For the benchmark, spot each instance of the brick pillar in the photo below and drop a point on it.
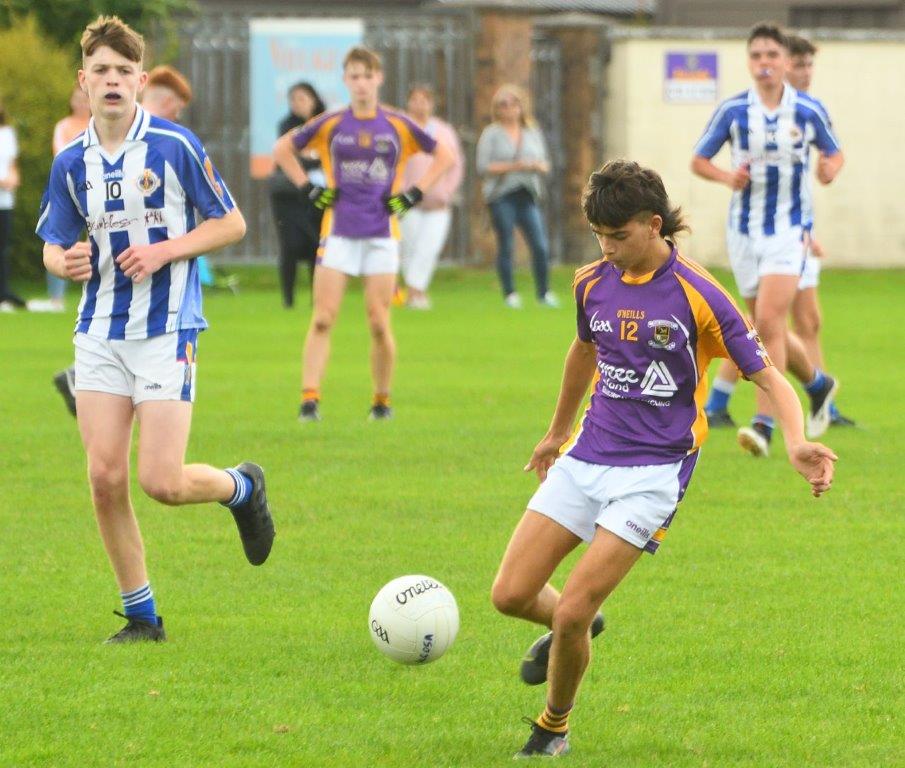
(581, 113)
(503, 55)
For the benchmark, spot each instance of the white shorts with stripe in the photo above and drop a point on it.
(158, 368)
(635, 503)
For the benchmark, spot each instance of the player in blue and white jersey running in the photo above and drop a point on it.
(151, 201)
(806, 319)
(770, 128)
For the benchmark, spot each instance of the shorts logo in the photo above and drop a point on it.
(148, 183)
(662, 334)
(658, 381)
(637, 528)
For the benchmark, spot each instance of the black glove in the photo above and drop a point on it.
(403, 202)
(321, 197)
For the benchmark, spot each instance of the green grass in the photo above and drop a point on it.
(768, 630)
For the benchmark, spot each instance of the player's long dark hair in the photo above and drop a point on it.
(621, 190)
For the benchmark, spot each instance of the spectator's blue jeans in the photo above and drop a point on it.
(519, 207)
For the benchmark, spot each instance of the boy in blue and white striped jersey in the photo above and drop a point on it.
(151, 201)
(771, 128)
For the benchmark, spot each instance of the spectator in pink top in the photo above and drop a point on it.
(426, 226)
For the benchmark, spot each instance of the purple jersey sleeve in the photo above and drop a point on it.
(722, 330)
(304, 135)
(584, 279)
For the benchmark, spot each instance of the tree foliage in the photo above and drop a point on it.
(64, 20)
(36, 79)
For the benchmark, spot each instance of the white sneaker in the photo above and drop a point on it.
(7, 306)
(549, 299)
(514, 301)
(45, 305)
(753, 442)
(421, 301)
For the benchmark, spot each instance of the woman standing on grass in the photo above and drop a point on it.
(512, 158)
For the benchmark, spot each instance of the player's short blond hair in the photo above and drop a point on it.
(165, 76)
(361, 55)
(113, 32)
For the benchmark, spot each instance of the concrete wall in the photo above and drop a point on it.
(860, 218)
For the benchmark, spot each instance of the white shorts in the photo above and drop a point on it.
(360, 255)
(423, 237)
(159, 368)
(810, 277)
(753, 257)
(635, 503)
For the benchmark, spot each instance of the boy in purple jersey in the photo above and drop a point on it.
(363, 150)
(140, 186)
(649, 322)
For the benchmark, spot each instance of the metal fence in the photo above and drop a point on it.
(434, 48)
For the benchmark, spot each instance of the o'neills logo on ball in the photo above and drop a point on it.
(418, 588)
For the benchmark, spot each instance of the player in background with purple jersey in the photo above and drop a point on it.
(649, 322)
(363, 150)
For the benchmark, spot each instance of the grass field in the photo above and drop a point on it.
(768, 631)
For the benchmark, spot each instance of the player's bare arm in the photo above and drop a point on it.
(69, 263)
(12, 179)
(141, 261)
(813, 461)
(736, 180)
(581, 362)
(828, 166)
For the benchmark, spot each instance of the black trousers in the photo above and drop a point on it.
(6, 233)
(298, 225)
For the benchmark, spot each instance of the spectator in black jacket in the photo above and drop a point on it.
(298, 221)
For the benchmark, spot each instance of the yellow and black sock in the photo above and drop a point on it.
(382, 398)
(311, 393)
(554, 720)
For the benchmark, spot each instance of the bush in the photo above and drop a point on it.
(36, 78)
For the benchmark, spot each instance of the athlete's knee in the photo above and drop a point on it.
(379, 325)
(322, 322)
(509, 599)
(108, 479)
(167, 488)
(573, 617)
(807, 324)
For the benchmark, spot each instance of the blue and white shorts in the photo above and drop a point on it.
(635, 503)
(158, 368)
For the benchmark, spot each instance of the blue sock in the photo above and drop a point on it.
(720, 393)
(139, 604)
(243, 488)
(817, 383)
(766, 422)
(834, 411)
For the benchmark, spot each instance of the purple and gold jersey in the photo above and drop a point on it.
(364, 158)
(655, 336)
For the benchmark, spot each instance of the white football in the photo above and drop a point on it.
(413, 619)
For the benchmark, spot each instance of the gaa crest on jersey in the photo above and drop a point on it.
(148, 183)
(662, 334)
(364, 139)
